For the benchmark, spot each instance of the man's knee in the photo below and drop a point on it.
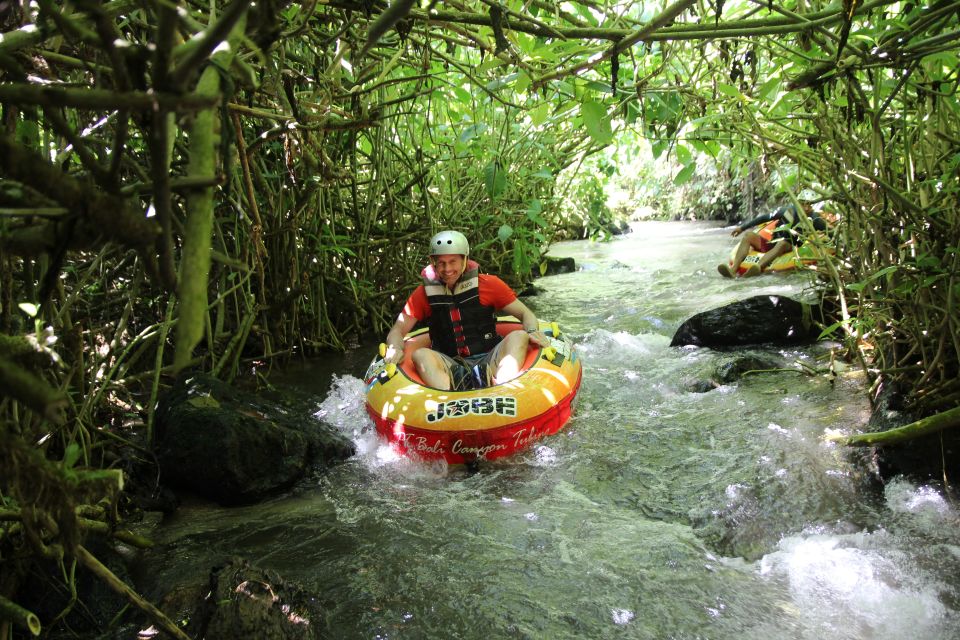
(429, 363)
(516, 340)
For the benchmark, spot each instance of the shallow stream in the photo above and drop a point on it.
(658, 512)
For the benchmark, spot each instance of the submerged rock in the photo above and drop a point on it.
(768, 319)
(732, 371)
(735, 369)
(243, 601)
(233, 447)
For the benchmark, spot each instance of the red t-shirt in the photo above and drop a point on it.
(494, 292)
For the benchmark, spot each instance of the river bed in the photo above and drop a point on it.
(658, 512)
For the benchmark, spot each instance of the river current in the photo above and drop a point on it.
(658, 512)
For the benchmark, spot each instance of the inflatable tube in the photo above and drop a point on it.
(808, 254)
(482, 424)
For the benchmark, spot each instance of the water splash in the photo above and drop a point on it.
(861, 585)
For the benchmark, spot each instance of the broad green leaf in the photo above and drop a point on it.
(685, 174)
(539, 114)
(495, 178)
(463, 95)
(544, 173)
(598, 87)
(488, 65)
(768, 87)
(728, 90)
(503, 81)
(534, 208)
(926, 261)
(596, 122)
(28, 133)
(504, 232)
(943, 62)
(585, 13)
(683, 154)
(472, 132)
(522, 83)
(537, 219)
(519, 256)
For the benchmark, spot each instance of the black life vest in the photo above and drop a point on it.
(788, 224)
(459, 324)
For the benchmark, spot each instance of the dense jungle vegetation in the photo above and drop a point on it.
(221, 185)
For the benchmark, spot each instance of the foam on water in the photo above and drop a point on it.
(861, 585)
(926, 506)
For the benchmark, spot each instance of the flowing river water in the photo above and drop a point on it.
(658, 512)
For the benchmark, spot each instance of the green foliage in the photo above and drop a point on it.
(596, 122)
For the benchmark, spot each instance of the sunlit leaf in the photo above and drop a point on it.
(728, 90)
(522, 83)
(504, 232)
(685, 174)
(29, 308)
(539, 114)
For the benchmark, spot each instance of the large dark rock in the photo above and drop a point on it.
(766, 319)
(928, 458)
(554, 266)
(235, 448)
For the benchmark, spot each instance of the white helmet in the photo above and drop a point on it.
(449, 242)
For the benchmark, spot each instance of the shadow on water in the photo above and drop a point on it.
(657, 513)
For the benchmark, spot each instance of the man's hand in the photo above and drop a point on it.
(736, 231)
(539, 337)
(393, 354)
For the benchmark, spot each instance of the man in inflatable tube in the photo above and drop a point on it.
(788, 234)
(460, 306)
